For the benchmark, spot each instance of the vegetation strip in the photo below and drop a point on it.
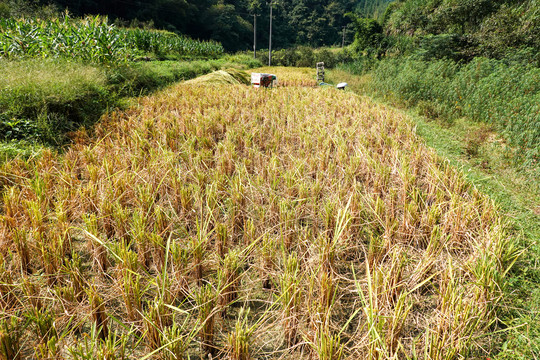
(44, 101)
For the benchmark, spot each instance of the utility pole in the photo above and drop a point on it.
(254, 35)
(270, 39)
(343, 42)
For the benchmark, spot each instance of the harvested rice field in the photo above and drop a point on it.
(223, 221)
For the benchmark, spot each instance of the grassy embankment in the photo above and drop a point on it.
(488, 162)
(298, 222)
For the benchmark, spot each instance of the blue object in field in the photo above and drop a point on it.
(325, 84)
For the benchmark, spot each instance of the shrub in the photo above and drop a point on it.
(344, 56)
(369, 34)
(246, 60)
(306, 57)
(327, 57)
(4, 10)
(286, 57)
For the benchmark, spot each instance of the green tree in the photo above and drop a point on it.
(228, 27)
(4, 10)
(369, 36)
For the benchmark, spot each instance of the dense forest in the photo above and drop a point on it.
(297, 22)
(455, 29)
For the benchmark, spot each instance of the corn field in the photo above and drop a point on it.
(94, 40)
(292, 223)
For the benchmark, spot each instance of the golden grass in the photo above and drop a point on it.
(318, 213)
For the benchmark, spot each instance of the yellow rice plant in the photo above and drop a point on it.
(319, 211)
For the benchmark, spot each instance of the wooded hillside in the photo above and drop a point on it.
(469, 28)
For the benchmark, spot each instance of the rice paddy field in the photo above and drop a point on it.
(219, 220)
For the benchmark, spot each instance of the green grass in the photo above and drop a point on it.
(21, 148)
(518, 195)
(136, 77)
(481, 155)
(40, 100)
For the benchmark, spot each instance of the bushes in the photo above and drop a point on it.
(506, 96)
(304, 56)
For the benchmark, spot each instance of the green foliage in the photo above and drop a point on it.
(4, 10)
(303, 56)
(369, 35)
(469, 28)
(285, 57)
(228, 27)
(246, 60)
(443, 46)
(93, 40)
(163, 43)
(296, 22)
(22, 148)
(307, 57)
(513, 26)
(372, 8)
(504, 96)
(27, 8)
(360, 66)
(41, 99)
